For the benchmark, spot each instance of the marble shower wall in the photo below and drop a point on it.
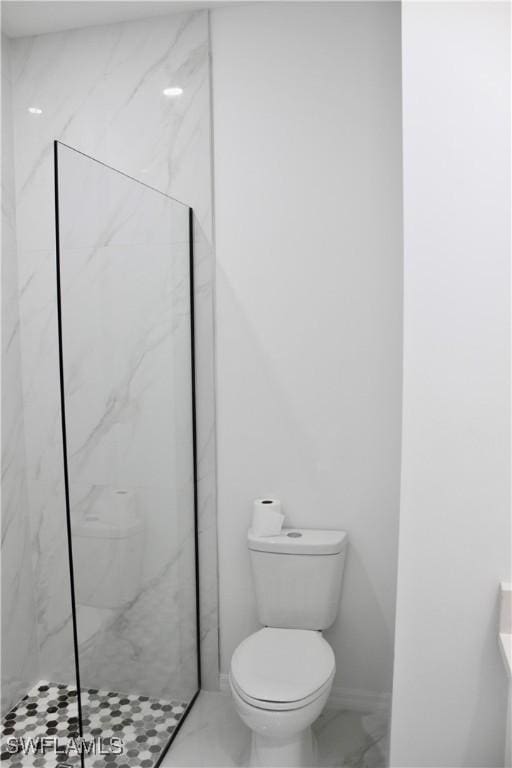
(100, 91)
(19, 641)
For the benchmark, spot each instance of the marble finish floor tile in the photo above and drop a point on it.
(348, 739)
(213, 736)
(143, 724)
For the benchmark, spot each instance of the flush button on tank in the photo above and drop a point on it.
(294, 535)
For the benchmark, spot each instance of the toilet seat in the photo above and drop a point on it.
(277, 706)
(282, 668)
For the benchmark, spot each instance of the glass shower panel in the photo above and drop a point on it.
(124, 265)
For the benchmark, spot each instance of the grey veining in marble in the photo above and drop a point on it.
(100, 90)
(19, 641)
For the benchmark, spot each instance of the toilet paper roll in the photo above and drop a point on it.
(120, 504)
(267, 518)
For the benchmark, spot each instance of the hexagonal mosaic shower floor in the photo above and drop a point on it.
(50, 710)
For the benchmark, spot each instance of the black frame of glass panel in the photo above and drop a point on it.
(56, 144)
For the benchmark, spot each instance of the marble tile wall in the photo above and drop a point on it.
(19, 641)
(100, 91)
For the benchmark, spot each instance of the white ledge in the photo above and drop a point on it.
(506, 651)
(505, 625)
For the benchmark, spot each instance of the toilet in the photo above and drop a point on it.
(281, 676)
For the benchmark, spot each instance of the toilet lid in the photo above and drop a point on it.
(282, 665)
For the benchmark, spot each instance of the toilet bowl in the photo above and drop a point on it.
(280, 680)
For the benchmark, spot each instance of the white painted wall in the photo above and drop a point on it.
(449, 693)
(307, 142)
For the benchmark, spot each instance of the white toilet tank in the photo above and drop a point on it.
(297, 577)
(107, 552)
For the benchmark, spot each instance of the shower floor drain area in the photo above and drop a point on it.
(120, 730)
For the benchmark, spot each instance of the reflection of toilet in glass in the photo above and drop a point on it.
(281, 676)
(107, 551)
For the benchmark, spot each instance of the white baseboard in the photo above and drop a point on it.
(359, 700)
(354, 699)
